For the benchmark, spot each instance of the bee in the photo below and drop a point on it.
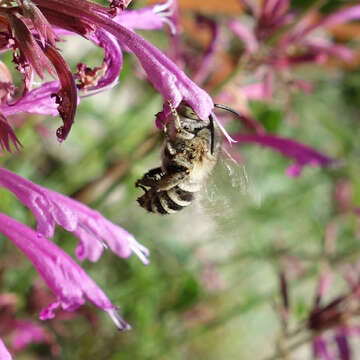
(190, 152)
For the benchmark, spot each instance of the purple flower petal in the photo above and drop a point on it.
(255, 91)
(30, 49)
(320, 349)
(341, 16)
(37, 101)
(246, 35)
(262, 90)
(68, 281)
(307, 25)
(112, 60)
(273, 8)
(147, 18)
(39, 22)
(166, 77)
(92, 229)
(4, 353)
(66, 97)
(342, 343)
(7, 135)
(26, 333)
(302, 154)
(321, 46)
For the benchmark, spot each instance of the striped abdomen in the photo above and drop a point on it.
(166, 202)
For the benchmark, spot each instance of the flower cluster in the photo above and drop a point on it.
(275, 38)
(31, 30)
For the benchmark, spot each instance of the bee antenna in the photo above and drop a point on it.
(227, 108)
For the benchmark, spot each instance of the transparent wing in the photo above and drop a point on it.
(227, 183)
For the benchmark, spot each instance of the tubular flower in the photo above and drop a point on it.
(94, 231)
(68, 281)
(336, 318)
(28, 332)
(302, 154)
(279, 38)
(34, 27)
(294, 43)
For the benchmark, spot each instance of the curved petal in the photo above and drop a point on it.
(37, 101)
(68, 281)
(93, 230)
(7, 136)
(66, 97)
(166, 77)
(26, 333)
(112, 61)
(302, 154)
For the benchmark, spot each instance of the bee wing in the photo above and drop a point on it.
(227, 183)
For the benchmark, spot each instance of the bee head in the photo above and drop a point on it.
(186, 111)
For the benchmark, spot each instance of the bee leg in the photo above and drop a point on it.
(150, 179)
(181, 132)
(180, 161)
(168, 181)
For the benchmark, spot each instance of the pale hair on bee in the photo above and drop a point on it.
(190, 152)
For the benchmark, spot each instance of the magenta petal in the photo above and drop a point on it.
(4, 353)
(143, 19)
(255, 91)
(66, 97)
(262, 90)
(7, 136)
(39, 22)
(320, 349)
(94, 231)
(343, 345)
(26, 333)
(341, 16)
(30, 49)
(112, 60)
(166, 77)
(302, 154)
(37, 101)
(321, 46)
(68, 281)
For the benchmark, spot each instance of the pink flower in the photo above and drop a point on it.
(279, 38)
(148, 18)
(302, 154)
(94, 231)
(36, 26)
(27, 332)
(68, 281)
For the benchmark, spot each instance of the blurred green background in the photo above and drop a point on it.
(212, 288)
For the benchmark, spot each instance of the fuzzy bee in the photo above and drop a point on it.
(190, 152)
